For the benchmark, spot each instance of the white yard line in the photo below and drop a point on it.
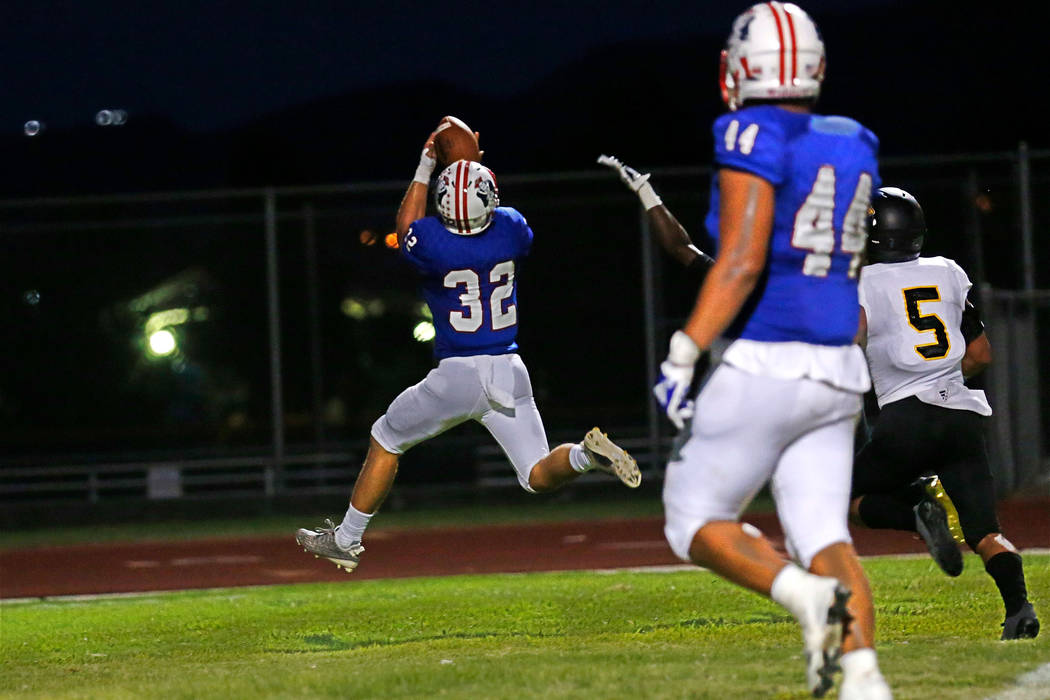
(1034, 685)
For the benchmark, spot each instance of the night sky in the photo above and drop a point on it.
(206, 65)
(254, 94)
(247, 94)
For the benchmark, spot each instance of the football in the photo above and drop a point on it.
(455, 141)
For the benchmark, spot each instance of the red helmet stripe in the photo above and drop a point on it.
(455, 198)
(465, 184)
(780, 35)
(794, 48)
(455, 195)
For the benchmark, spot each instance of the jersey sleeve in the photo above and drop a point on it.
(962, 280)
(523, 233)
(412, 248)
(526, 237)
(745, 142)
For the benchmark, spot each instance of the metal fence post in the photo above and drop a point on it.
(649, 308)
(974, 233)
(1024, 189)
(313, 310)
(274, 315)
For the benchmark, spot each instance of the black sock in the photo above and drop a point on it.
(883, 511)
(1005, 569)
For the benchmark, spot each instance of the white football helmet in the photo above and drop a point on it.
(466, 196)
(774, 53)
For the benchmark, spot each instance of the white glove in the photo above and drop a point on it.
(638, 182)
(426, 163)
(676, 377)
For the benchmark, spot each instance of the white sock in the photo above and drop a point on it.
(578, 458)
(352, 528)
(858, 662)
(786, 586)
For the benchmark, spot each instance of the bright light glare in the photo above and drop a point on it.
(162, 343)
(423, 332)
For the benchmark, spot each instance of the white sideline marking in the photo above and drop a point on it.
(657, 569)
(664, 569)
(195, 561)
(1034, 685)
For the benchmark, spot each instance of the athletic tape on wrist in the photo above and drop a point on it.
(423, 171)
(425, 168)
(649, 198)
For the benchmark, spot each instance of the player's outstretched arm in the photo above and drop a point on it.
(414, 203)
(669, 232)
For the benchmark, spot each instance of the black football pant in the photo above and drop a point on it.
(912, 439)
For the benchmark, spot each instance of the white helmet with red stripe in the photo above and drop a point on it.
(466, 196)
(774, 53)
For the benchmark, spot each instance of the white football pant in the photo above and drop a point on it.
(493, 390)
(749, 429)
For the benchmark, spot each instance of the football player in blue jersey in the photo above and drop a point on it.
(467, 257)
(778, 313)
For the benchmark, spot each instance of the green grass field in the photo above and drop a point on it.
(568, 635)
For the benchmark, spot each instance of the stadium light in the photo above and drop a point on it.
(162, 343)
(424, 331)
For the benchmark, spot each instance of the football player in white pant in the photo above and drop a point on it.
(923, 337)
(778, 311)
(467, 257)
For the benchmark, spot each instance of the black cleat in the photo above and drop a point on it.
(1021, 625)
(932, 524)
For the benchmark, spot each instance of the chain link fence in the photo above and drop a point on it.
(218, 343)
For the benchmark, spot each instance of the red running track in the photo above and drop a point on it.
(151, 566)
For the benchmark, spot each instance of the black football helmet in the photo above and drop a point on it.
(896, 226)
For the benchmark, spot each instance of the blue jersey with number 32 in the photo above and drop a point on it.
(823, 169)
(469, 282)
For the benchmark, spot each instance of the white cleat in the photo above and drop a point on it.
(321, 543)
(822, 618)
(610, 458)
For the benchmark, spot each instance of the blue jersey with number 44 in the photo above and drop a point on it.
(469, 282)
(824, 170)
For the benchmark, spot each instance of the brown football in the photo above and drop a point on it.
(455, 141)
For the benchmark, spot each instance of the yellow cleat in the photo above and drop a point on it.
(935, 490)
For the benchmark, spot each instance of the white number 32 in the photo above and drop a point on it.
(469, 320)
